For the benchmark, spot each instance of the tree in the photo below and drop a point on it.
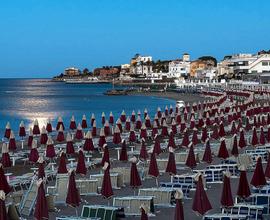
(208, 58)
(85, 71)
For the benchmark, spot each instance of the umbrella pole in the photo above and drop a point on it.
(108, 202)
(157, 182)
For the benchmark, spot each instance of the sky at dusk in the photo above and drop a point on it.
(40, 38)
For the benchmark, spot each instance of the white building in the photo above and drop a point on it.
(260, 65)
(178, 68)
(142, 65)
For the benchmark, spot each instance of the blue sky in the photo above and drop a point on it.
(39, 38)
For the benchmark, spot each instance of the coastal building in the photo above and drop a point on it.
(179, 67)
(107, 72)
(202, 66)
(141, 65)
(72, 71)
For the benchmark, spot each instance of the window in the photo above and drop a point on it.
(264, 63)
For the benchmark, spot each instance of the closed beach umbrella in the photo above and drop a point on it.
(201, 203)
(143, 151)
(93, 118)
(159, 114)
(133, 117)
(84, 122)
(135, 179)
(145, 113)
(195, 140)
(226, 196)
(233, 128)
(107, 129)
(138, 123)
(60, 135)
(44, 136)
(243, 185)
(49, 126)
(234, 151)
(123, 153)
(36, 130)
(179, 211)
(41, 209)
(106, 189)
(79, 133)
(239, 124)
(174, 127)
(73, 195)
(144, 210)
(111, 119)
(262, 137)
(30, 138)
(171, 165)
(267, 169)
(94, 129)
(6, 162)
(12, 142)
(59, 123)
(116, 136)
(207, 156)
(153, 167)
(123, 117)
(50, 151)
(248, 125)
(127, 124)
(242, 140)
(221, 131)
(200, 121)
(154, 129)
(254, 139)
(41, 171)
(88, 143)
(157, 148)
(7, 131)
(204, 135)
(119, 125)
(164, 129)
(62, 168)
(132, 135)
(171, 142)
(72, 124)
(106, 155)
(4, 186)
(258, 178)
(148, 121)
(223, 152)
(81, 168)
(192, 123)
(102, 138)
(143, 133)
(156, 120)
(3, 210)
(183, 126)
(185, 140)
(33, 155)
(103, 118)
(69, 145)
(191, 159)
(22, 132)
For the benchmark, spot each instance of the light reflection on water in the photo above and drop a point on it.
(40, 99)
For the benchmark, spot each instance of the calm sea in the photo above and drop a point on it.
(30, 99)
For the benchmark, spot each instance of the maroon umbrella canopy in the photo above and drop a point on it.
(267, 169)
(144, 215)
(44, 136)
(243, 185)
(179, 211)
(6, 162)
(223, 152)
(226, 196)
(127, 124)
(36, 130)
(102, 138)
(41, 208)
(221, 131)
(103, 118)
(132, 135)
(12, 142)
(22, 132)
(191, 159)
(106, 155)
(248, 125)
(143, 151)
(153, 167)
(123, 116)
(3, 211)
(60, 136)
(111, 119)
(242, 140)
(107, 129)
(88, 143)
(215, 134)
(72, 124)
(234, 151)
(62, 168)
(73, 195)
(233, 128)
(106, 189)
(41, 171)
(201, 203)
(123, 153)
(81, 168)
(207, 156)
(171, 142)
(116, 135)
(185, 140)
(59, 123)
(254, 139)
(157, 148)
(33, 155)
(135, 179)
(3, 181)
(258, 178)
(49, 126)
(171, 165)
(50, 151)
(30, 138)
(84, 122)
(79, 132)
(7, 131)
(94, 129)
(69, 145)
(195, 140)
(143, 133)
